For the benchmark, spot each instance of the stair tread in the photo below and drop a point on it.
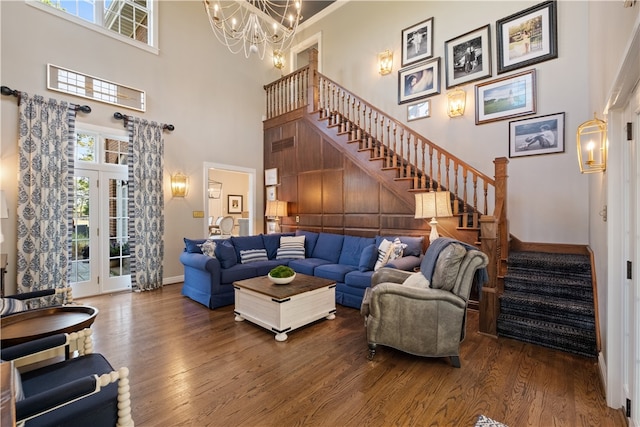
(544, 301)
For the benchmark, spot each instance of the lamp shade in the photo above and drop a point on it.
(433, 204)
(276, 208)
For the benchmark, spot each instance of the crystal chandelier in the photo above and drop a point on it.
(254, 25)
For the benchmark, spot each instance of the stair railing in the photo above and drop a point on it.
(428, 166)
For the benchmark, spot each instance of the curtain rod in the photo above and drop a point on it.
(11, 92)
(120, 116)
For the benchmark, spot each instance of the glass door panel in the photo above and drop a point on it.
(84, 268)
(118, 255)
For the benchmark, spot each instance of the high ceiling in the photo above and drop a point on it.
(312, 7)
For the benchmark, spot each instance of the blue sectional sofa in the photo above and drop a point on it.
(349, 260)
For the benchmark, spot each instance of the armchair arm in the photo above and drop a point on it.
(25, 349)
(422, 294)
(387, 274)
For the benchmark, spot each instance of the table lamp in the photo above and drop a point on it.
(433, 204)
(276, 209)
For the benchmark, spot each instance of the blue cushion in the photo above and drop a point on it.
(352, 248)
(244, 243)
(333, 271)
(253, 255)
(271, 243)
(238, 272)
(310, 239)
(368, 258)
(307, 265)
(328, 247)
(359, 279)
(226, 254)
(193, 246)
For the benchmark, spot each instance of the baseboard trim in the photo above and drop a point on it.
(171, 280)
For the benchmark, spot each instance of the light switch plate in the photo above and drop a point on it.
(198, 214)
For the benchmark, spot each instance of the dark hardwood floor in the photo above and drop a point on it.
(191, 366)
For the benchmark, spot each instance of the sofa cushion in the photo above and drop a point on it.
(264, 267)
(352, 247)
(209, 248)
(358, 279)
(253, 255)
(310, 239)
(226, 254)
(238, 272)
(193, 245)
(447, 267)
(244, 243)
(307, 265)
(271, 243)
(328, 247)
(334, 271)
(368, 258)
(291, 248)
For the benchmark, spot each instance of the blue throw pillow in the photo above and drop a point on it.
(368, 258)
(414, 245)
(271, 244)
(310, 239)
(193, 246)
(226, 254)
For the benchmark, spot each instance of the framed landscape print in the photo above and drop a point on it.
(538, 135)
(417, 42)
(527, 37)
(234, 204)
(468, 57)
(419, 110)
(419, 81)
(506, 97)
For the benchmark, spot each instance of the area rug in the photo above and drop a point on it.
(484, 421)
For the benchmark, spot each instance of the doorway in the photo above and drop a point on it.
(299, 54)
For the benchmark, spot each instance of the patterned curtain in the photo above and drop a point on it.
(146, 203)
(45, 192)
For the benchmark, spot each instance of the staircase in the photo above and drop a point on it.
(548, 300)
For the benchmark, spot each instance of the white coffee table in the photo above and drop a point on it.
(283, 308)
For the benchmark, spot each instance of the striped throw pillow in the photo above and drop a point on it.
(253, 255)
(11, 305)
(291, 247)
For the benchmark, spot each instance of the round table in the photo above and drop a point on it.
(42, 322)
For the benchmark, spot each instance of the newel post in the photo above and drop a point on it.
(494, 240)
(313, 90)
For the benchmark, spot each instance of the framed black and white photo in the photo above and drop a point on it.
(506, 97)
(468, 57)
(271, 192)
(271, 176)
(234, 204)
(417, 42)
(419, 81)
(538, 135)
(419, 110)
(527, 37)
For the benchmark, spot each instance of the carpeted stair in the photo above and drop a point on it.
(548, 300)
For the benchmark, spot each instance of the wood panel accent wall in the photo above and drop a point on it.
(327, 191)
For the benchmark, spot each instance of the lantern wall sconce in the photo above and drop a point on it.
(457, 100)
(278, 59)
(179, 185)
(385, 62)
(592, 146)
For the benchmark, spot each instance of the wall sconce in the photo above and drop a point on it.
(178, 185)
(592, 146)
(385, 62)
(278, 59)
(457, 100)
(276, 209)
(433, 204)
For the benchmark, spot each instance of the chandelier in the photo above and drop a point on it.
(254, 25)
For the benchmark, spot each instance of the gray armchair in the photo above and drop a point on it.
(424, 313)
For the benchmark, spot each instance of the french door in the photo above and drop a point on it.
(100, 257)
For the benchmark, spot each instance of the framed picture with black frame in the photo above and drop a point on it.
(506, 97)
(234, 204)
(527, 37)
(468, 57)
(537, 135)
(419, 81)
(417, 42)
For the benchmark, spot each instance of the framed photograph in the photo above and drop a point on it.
(419, 81)
(271, 227)
(234, 204)
(419, 110)
(527, 37)
(538, 135)
(417, 42)
(506, 97)
(468, 57)
(271, 192)
(271, 176)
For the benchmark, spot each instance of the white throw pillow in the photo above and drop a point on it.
(417, 280)
(209, 248)
(291, 247)
(384, 251)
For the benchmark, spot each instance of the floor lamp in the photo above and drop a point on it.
(433, 204)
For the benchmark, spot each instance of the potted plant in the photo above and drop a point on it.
(281, 275)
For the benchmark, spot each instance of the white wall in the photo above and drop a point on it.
(213, 98)
(547, 195)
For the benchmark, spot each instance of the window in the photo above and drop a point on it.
(130, 19)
